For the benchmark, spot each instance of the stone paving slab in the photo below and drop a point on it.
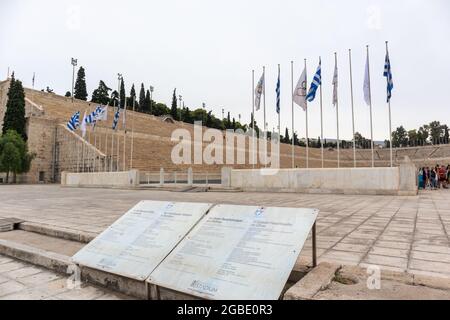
(22, 281)
(397, 233)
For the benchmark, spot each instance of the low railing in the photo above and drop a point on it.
(188, 177)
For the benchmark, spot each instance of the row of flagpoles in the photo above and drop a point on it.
(301, 96)
(101, 114)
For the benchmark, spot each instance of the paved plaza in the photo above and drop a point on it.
(396, 233)
(23, 281)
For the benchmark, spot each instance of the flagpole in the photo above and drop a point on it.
(321, 120)
(132, 135)
(292, 106)
(337, 118)
(390, 118)
(95, 146)
(265, 124)
(370, 98)
(306, 113)
(353, 112)
(253, 118)
(124, 141)
(279, 111)
(112, 138)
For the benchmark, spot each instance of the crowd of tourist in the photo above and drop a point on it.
(434, 178)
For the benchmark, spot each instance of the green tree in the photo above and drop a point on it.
(114, 100)
(14, 155)
(287, 139)
(423, 134)
(142, 99)
(147, 103)
(446, 133)
(435, 131)
(101, 94)
(399, 137)
(412, 138)
(174, 109)
(80, 85)
(122, 94)
(160, 109)
(68, 94)
(359, 140)
(132, 98)
(14, 118)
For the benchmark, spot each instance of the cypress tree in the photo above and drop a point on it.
(122, 94)
(142, 98)
(132, 98)
(101, 94)
(286, 136)
(80, 86)
(15, 109)
(147, 103)
(173, 109)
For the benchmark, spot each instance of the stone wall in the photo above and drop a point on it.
(101, 179)
(383, 181)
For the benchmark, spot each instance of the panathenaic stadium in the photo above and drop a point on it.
(57, 149)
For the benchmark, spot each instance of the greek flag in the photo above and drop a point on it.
(101, 113)
(317, 81)
(278, 90)
(116, 119)
(92, 117)
(388, 74)
(74, 121)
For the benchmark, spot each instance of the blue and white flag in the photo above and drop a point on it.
(74, 121)
(278, 90)
(116, 119)
(91, 118)
(317, 81)
(101, 113)
(388, 74)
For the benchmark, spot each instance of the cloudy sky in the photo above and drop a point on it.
(207, 50)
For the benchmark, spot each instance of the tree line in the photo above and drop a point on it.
(433, 133)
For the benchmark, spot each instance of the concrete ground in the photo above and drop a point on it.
(22, 281)
(396, 233)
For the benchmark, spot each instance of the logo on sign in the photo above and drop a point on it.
(259, 212)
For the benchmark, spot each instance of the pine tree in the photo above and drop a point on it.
(132, 98)
(234, 124)
(228, 125)
(122, 94)
(142, 98)
(80, 86)
(173, 109)
(114, 100)
(101, 94)
(147, 103)
(286, 136)
(14, 118)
